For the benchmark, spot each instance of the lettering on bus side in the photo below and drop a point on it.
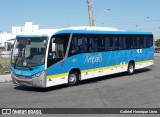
(92, 59)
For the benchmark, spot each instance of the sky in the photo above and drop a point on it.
(131, 15)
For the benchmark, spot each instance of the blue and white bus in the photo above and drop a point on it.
(66, 56)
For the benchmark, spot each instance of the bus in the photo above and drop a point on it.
(66, 56)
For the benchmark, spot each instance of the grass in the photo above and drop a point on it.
(4, 66)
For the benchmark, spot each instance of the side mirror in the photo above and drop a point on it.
(53, 47)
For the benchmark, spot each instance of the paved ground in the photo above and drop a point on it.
(5, 78)
(141, 90)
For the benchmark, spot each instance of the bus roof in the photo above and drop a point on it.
(98, 30)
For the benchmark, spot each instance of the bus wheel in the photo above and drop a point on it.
(130, 68)
(73, 79)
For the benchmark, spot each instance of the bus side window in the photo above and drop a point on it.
(149, 42)
(94, 44)
(115, 43)
(101, 42)
(128, 44)
(133, 45)
(124, 46)
(141, 43)
(121, 43)
(73, 47)
(132, 42)
(84, 45)
(111, 43)
(138, 42)
(79, 45)
(90, 46)
(144, 44)
(107, 43)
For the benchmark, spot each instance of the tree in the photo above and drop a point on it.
(157, 42)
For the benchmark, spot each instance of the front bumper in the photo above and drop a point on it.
(39, 81)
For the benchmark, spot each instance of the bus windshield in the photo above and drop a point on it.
(29, 52)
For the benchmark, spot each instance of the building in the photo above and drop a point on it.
(4, 37)
(28, 27)
(7, 39)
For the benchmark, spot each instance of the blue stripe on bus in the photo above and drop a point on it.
(27, 71)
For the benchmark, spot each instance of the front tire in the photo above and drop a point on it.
(130, 68)
(73, 79)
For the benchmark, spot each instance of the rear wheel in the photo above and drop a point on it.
(73, 79)
(131, 68)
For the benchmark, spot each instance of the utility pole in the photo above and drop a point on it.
(90, 13)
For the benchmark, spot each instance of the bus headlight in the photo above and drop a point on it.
(38, 74)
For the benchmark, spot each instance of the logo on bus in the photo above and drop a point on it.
(92, 59)
(139, 50)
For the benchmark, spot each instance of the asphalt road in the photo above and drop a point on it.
(141, 90)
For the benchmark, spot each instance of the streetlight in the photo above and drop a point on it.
(103, 13)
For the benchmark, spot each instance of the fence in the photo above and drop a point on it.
(5, 54)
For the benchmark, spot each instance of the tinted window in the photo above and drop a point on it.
(101, 42)
(82, 43)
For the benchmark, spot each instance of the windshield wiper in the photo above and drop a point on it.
(16, 62)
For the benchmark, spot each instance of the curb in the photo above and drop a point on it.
(5, 78)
